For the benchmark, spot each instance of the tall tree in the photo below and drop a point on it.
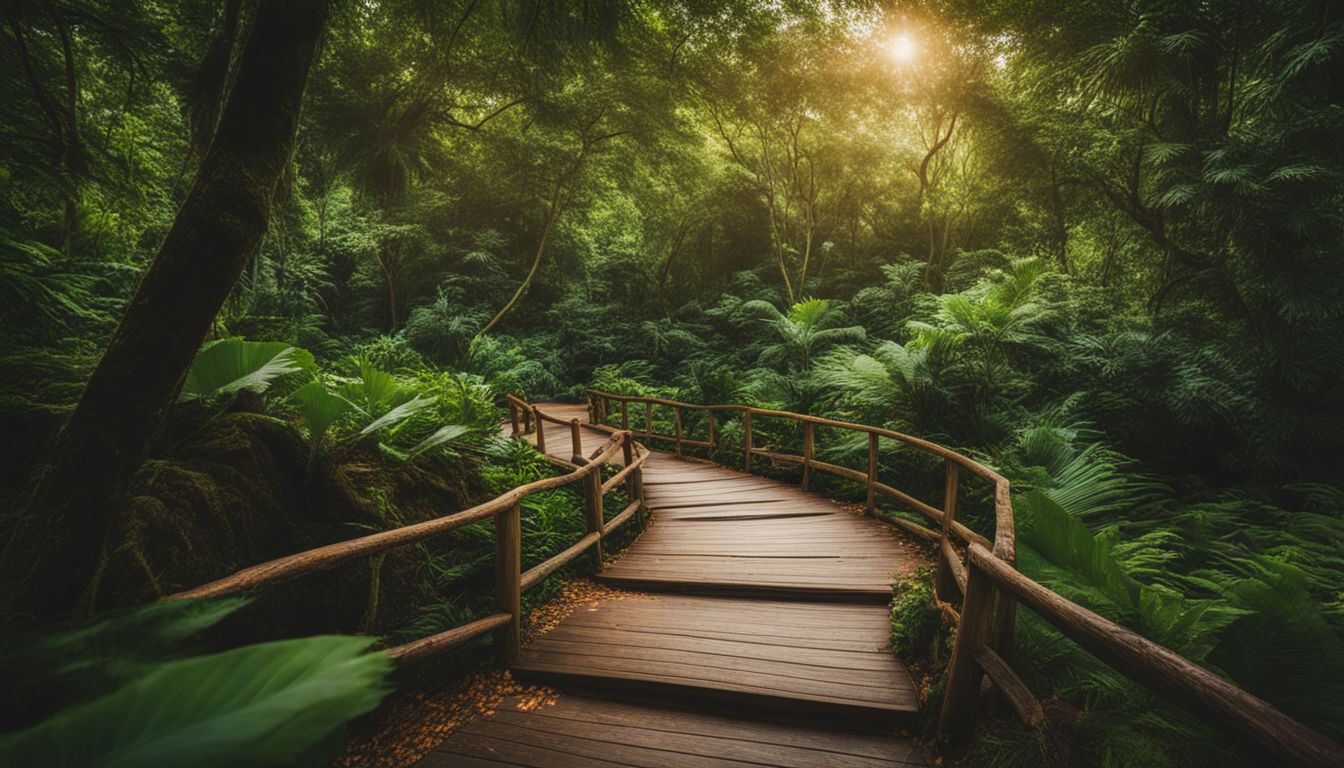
(221, 222)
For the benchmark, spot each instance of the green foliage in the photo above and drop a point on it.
(320, 409)
(803, 333)
(916, 622)
(132, 698)
(1283, 650)
(228, 366)
(1103, 260)
(42, 292)
(265, 704)
(390, 353)
(78, 663)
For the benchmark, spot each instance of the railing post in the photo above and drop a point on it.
(808, 429)
(872, 472)
(541, 433)
(943, 581)
(648, 422)
(1005, 617)
(746, 440)
(601, 409)
(676, 419)
(625, 414)
(592, 508)
(513, 417)
(508, 581)
(576, 438)
(962, 689)
(711, 434)
(634, 482)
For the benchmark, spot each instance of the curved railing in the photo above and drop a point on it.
(506, 510)
(991, 587)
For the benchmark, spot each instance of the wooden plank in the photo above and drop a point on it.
(1026, 705)
(616, 641)
(508, 580)
(538, 573)
(584, 731)
(666, 719)
(658, 748)
(850, 666)
(428, 647)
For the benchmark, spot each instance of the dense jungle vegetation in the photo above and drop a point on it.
(268, 268)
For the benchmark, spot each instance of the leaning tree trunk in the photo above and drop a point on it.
(55, 549)
(553, 213)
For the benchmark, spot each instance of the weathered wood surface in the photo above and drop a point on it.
(715, 529)
(577, 731)
(823, 660)
(753, 536)
(721, 531)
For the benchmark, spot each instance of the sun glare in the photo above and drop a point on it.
(902, 48)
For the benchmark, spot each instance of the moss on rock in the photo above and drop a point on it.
(235, 494)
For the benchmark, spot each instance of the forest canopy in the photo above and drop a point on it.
(1095, 245)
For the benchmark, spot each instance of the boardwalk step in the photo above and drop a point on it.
(582, 731)
(828, 661)
(782, 681)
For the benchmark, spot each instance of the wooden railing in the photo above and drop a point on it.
(991, 586)
(506, 511)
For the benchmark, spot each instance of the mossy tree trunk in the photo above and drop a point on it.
(53, 553)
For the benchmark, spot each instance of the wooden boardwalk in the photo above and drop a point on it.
(762, 607)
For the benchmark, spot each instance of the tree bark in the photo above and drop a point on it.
(56, 545)
(208, 84)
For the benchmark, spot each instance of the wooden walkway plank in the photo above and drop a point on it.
(664, 642)
(804, 637)
(584, 731)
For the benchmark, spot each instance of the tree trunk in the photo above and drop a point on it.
(208, 84)
(682, 229)
(557, 204)
(55, 548)
(778, 237)
(386, 263)
(807, 256)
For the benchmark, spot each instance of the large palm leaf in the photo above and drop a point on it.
(233, 365)
(259, 705)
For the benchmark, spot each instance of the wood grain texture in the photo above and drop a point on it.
(715, 530)
(581, 731)
(771, 654)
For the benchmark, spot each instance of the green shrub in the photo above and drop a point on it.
(915, 619)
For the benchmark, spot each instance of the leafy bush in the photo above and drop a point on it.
(916, 622)
(390, 353)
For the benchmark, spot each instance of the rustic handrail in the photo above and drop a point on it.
(992, 586)
(510, 581)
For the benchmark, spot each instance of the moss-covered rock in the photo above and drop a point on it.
(235, 493)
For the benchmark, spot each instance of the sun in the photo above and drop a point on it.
(902, 48)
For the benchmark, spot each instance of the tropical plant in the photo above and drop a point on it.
(268, 704)
(891, 384)
(802, 333)
(265, 704)
(229, 366)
